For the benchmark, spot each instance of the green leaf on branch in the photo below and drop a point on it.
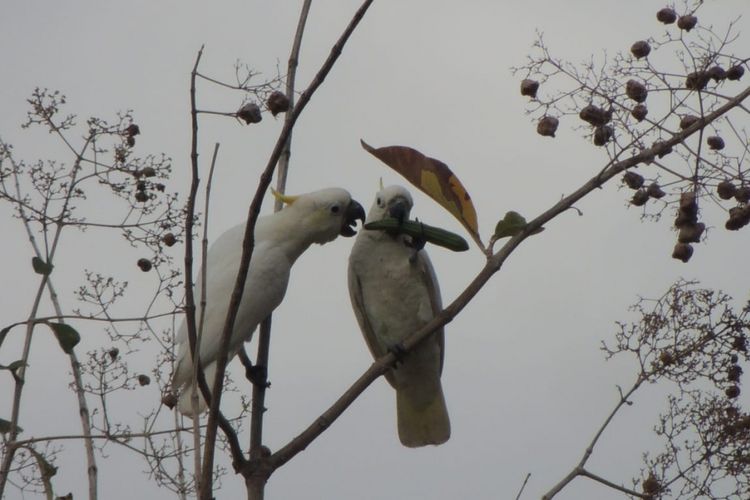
(512, 224)
(6, 426)
(66, 335)
(41, 267)
(3, 333)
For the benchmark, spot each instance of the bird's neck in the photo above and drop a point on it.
(286, 232)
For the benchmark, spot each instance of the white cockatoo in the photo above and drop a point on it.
(280, 238)
(394, 292)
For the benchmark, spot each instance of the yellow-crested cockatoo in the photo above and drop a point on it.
(394, 292)
(280, 238)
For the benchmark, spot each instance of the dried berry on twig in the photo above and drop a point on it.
(529, 88)
(547, 126)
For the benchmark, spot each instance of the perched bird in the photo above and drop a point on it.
(394, 292)
(317, 217)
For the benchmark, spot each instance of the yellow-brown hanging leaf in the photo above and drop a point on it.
(434, 178)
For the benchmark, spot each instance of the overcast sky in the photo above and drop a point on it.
(524, 378)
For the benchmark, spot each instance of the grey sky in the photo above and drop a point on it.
(525, 381)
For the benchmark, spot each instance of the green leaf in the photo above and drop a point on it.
(41, 267)
(3, 333)
(6, 426)
(46, 469)
(66, 335)
(512, 224)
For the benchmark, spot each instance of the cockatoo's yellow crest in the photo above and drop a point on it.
(283, 198)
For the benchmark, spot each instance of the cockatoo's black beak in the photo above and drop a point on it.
(353, 212)
(398, 209)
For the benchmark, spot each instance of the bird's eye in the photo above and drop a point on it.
(335, 209)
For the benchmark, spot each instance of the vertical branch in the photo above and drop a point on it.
(264, 337)
(189, 298)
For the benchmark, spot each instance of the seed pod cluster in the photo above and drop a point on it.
(715, 143)
(547, 126)
(690, 229)
(655, 191)
(249, 113)
(277, 103)
(687, 22)
(602, 135)
(725, 190)
(716, 73)
(529, 88)
(636, 90)
(639, 112)
(739, 217)
(697, 80)
(639, 198)
(651, 484)
(594, 115)
(735, 72)
(640, 49)
(688, 120)
(144, 264)
(633, 180)
(169, 239)
(666, 15)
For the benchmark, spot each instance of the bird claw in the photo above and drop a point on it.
(398, 352)
(257, 375)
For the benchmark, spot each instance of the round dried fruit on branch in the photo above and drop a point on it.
(655, 191)
(140, 185)
(689, 203)
(639, 198)
(725, 190)
(169, 239)
(683, 219)
(715, 142)
(132, 130)
(663, 149)
(144, 264)
(594, 115)
(732, 391)
(697, 80)
(144, 379)
(249, 113)
(682, 251)
(733, 373)
(148, 172)
(602, 135)
(547, 126)
(633, 180)
(666, 15)
(169, 400)
(113, 353)
(687, 120)
(636, 90)
(735, 72)
(529, 88)
(141, 196)
(666, 358)
(716, 73)
(640, 49)
(687, 22)
(130, 141)
(651, 484)
(639, 112)
(739, 217)
(277, 103)
(691, 233)
(742, 194)
(740, 343)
